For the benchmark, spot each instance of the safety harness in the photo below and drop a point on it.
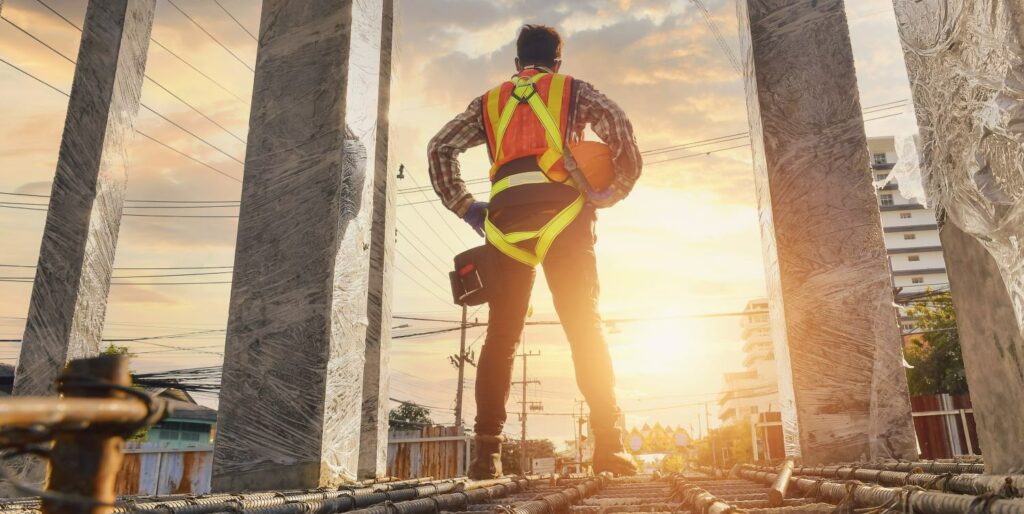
(525, 92)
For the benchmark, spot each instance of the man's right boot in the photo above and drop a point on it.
(609, 454)
(487, 463)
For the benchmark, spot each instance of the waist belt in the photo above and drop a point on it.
(545, 235)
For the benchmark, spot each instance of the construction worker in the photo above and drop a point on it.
(528, 124)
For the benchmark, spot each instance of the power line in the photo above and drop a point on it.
(137, 131)
(214, 38)
(154, 41)
(232, 16)
(718, 36)
(200, 72)
(150, 109)
(433, 206)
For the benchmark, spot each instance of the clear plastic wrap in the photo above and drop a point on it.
(965, 60)
(842, 387)
(292, 399)
(966, 63)
(76, 258)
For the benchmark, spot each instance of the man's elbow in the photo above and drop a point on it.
(435, 148)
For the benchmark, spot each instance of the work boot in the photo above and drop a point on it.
(610, 456)
(487, 462)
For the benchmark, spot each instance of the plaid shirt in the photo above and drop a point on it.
(467, 130)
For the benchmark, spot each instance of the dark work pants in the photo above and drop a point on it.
(571, 271)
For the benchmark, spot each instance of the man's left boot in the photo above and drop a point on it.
(610, 456)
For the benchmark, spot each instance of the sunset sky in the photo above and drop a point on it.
(686, 243)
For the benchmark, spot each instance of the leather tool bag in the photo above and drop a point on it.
(474, 281)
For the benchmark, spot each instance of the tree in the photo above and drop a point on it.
(409, 416)
(731, 444)
(934, 353)
(535, 449)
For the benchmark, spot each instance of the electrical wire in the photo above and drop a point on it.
(232, 16)
(137, 131)
(160, 45)
(148, 108)
(214, 38)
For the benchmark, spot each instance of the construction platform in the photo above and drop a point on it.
(930, 487)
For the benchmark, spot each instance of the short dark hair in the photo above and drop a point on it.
(538, 44)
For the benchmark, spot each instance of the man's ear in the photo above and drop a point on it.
(519, 66)
(557, 66)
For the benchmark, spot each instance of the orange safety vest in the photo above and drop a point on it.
(524, 135)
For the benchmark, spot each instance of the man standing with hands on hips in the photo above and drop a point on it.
(546, 186)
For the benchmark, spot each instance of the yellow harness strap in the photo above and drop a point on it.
(545, 236)
(525, 91)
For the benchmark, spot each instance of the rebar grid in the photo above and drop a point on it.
(903, 499)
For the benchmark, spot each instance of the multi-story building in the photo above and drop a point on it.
(911, 234)
(755, 389)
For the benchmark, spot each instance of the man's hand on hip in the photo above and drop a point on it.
(475, 216)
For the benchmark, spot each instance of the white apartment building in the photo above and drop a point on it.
(755, 389)
(911, 234)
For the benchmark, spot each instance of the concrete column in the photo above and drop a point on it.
(965, 59)
(373, 444)
(76, 257)
(837, 343)
(292, 395)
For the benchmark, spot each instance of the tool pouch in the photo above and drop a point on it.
(473, 281)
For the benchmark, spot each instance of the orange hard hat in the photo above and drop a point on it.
(594, 159)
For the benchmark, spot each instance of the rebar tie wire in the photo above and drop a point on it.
(931, 484)
(437, 504)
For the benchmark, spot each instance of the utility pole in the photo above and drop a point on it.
(580, 421)
(461, 364)
(523, 460)
(707, 424)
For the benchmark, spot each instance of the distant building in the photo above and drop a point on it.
(911, 234)
(657, 439)
(189, 424)
(755, 389)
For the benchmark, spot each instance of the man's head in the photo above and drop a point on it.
(538, 45)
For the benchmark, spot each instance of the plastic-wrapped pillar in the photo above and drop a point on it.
(373, 447)
(76, 258)
(841, 381)
(965, 60)
(291, 404)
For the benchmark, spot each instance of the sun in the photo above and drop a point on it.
(652, 347)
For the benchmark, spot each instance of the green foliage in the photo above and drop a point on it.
(535, 449)
(935, 353)
(731, 444)
(409, 416)
(116, 350)
(672, 463)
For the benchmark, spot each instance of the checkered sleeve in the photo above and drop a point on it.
(460, 134)
(610, 123)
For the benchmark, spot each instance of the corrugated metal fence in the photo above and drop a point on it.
(151, 470)
(945, 426)
(148, 469)
(439, 452)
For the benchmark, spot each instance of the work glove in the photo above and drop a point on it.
(601, 199)
(475, 216)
